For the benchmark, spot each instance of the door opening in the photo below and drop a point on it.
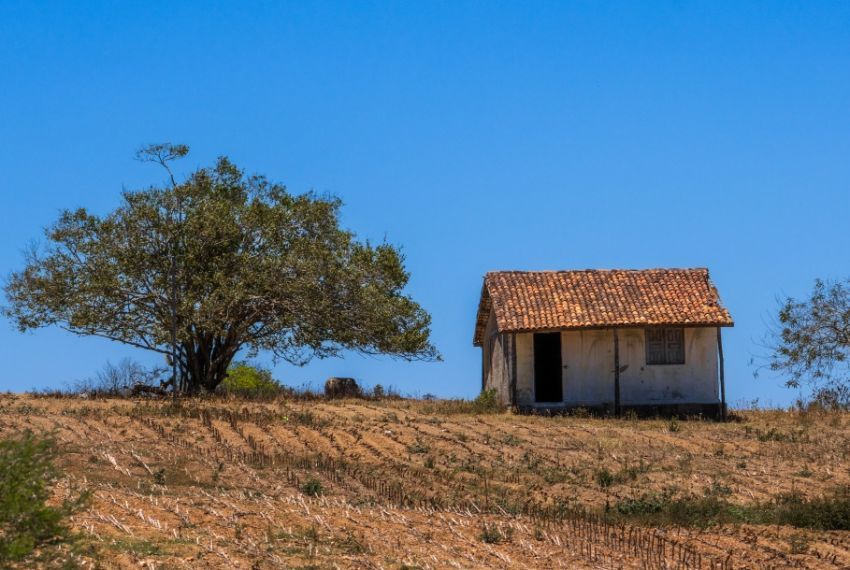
(547, 368)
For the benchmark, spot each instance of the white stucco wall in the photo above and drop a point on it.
(588, 369)
(525, 369)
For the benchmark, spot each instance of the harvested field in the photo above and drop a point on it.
(420, 484)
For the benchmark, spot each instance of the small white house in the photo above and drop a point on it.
(644, 339)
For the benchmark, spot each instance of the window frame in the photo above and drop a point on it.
(669, 336)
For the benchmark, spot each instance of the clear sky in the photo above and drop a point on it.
(478, 136)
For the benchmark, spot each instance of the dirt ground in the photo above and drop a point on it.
(415, 484)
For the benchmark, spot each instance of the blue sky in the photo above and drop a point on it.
(478, 136)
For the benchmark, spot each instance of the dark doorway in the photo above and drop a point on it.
(547, 367)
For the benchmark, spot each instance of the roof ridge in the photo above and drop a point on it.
(603, 270)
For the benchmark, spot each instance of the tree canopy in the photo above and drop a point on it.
(811, 343)
(215, 264)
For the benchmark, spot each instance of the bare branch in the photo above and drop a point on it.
(162, 154)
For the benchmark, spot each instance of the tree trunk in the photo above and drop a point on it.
(206, 360)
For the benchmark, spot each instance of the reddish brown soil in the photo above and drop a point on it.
(408, 484)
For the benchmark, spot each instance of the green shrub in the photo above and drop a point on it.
(159, 476)
(663, 509)
(487, 402)
(644, 505)
(491, 534)
(511, 439)
(831, 512)
(821, 513)
(697, 512)
(604, 478)
(581, 413)
(312, 487)
(774, 434)
(33, 534)
(418, 447)
(247, 380)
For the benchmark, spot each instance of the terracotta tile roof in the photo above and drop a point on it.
(594, 298)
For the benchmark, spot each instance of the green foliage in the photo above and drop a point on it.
(490, 534)
(247, 380)
(643, 505)
(666, 509)
(487, 402)
(604, 478)
(580, 412)
(225, 261)
(631, 472)
(821, 513)
(831, 512)
(774, 434)
(312, 487)
(804, 472)
(31, 532)
(812, 342)
(511, 439)
(418, 447)
(159, 476)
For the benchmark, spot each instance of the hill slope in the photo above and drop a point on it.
(409, 484)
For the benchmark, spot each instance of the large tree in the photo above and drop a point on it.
(221, 262)
(811, 341)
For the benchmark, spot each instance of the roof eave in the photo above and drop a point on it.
(616, 326)
(484, 305)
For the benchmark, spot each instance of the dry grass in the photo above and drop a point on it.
(410, 484)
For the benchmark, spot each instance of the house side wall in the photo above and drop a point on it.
(486, 349)
(588, 369)
(497, 356)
